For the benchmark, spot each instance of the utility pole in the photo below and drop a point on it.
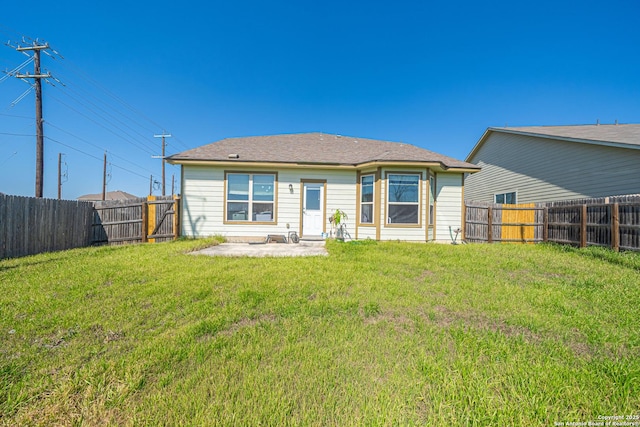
(104, 178)
(163, 136)
(59, 176)
(37, 77)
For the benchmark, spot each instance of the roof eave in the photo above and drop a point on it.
(375, 163)
(255, 163)
(479, 144)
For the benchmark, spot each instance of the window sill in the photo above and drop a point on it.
(397, 225)
(250, 222)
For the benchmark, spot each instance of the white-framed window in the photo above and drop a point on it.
(403, 198)
(507, 198)
(366, 198)
(250, 197)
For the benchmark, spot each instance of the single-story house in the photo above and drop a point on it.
(551, 163)
(248, 188)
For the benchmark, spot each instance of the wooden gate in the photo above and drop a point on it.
(162, 221)
(488, 222)
(518, 223)
(153, 219)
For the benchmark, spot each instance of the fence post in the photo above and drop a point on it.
(490, 224)
(583, 226)
(176, 217)
(464, 221)
(615, 227)
(545, 225)
(145, 221)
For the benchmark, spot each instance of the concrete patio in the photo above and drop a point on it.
(304, 248)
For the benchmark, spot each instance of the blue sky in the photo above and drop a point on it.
(433, 74)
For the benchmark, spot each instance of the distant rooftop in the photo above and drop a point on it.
(111, 195)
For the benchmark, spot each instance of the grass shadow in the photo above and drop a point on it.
(627, 259)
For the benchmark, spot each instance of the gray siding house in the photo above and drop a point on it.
(247, 188)
(550, 163)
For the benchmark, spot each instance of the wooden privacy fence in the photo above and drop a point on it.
(611, 224)
(31, 225)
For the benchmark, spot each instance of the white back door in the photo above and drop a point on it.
(312, 209)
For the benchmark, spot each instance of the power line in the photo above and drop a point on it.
(16, 134)
(74, 69)
(9, 30)
(115, 97)
(15, 116)
(110, 118)
(95, 157)
(97, 146)
(105, 112)
(149, 151)
(8, 158)
(16, 69)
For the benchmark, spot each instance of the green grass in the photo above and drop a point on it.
(374, 334)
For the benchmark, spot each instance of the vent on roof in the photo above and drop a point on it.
(234, 156)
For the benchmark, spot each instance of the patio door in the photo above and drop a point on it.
(312, 209)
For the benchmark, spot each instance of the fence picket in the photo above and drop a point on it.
(31, 225)
(612, 222)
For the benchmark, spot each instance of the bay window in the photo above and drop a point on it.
(366, 199)
(403, 199)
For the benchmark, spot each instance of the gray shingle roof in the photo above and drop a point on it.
(314, 148)
(110, 195)
(622, 134)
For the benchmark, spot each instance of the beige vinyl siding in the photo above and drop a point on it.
(365, 233)
(448, 204)
(341, 194)
(542, 169)
(203, 201)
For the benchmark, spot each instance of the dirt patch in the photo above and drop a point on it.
(400, 322)
(426, 274)
(445, 318)
(247, 323)
(108, 336)
(56, 340)
(113, 336)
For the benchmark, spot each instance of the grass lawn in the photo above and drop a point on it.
(374, 334)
